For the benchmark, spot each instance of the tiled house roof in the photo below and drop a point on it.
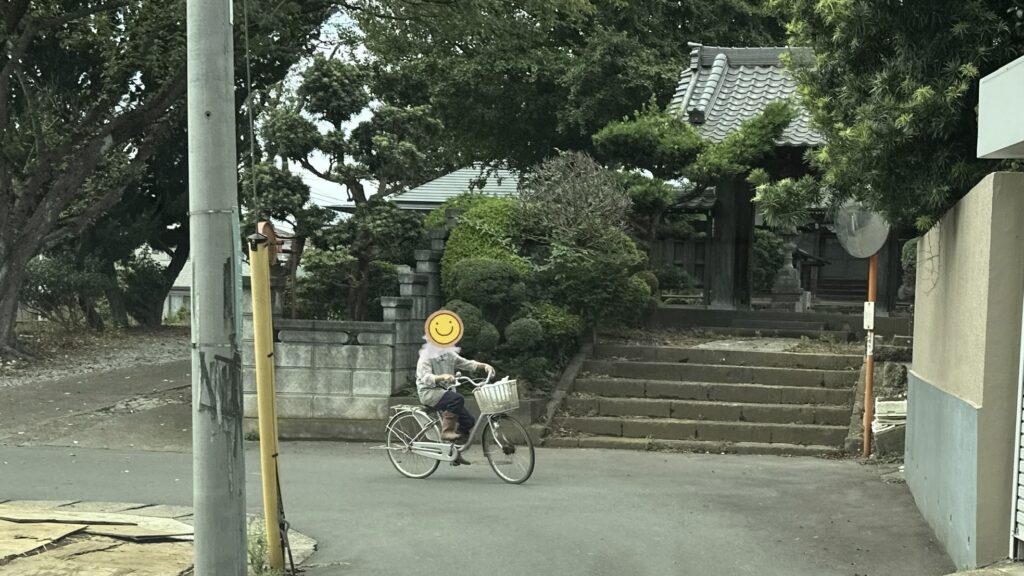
(723, 87)
(501, 183)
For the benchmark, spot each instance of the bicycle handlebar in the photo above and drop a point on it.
(459, 380)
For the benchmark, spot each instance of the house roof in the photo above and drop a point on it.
(499, 182)
(724, 87)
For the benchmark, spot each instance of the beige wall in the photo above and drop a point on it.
(969, 282)
(970, 285)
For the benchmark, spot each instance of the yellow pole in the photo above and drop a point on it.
(869, 364)
(259, 265)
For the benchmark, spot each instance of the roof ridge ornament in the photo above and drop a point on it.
(699, 112)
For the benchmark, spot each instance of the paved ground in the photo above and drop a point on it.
(585, 512)
(144, 407)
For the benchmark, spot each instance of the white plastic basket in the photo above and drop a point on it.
(501, 396)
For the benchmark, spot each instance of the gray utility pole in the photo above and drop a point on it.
(218, 464)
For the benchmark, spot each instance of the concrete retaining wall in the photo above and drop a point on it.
(963, 383)
(335, 380)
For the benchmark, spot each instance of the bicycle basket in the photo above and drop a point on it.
(501, 396)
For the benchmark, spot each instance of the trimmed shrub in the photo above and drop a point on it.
(562, 329)
(597, 284)
(484, 231)
(673, 277)
(524, 334)
(649, 278)
(494, 286)
(480, 337)
(437, 217)
(768, 259)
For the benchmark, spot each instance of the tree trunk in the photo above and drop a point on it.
(12, 273)
(92, 317)
(359, 293)
(115, 298)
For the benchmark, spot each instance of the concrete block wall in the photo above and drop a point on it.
(334, 380)
(963, 384)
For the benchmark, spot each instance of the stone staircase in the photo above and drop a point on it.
(696, 399)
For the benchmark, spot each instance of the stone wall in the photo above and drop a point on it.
(335, 380)
(963, 384)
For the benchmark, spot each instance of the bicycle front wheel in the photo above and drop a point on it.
(402, 428)
(508, 449)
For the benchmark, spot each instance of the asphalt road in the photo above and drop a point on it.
(584, 512)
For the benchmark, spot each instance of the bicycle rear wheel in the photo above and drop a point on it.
(402, 428)
(508, 449)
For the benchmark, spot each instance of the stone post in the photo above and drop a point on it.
(414, 286)
(428, 264)
(408, 338)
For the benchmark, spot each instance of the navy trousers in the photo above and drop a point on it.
(454, 402)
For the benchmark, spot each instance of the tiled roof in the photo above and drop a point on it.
(434, 193)
(724, 87)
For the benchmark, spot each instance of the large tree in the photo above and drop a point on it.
(516, 79)
(395, 148)
(894, 88)
(88, 91)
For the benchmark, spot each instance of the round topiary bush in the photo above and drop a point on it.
(524, 334)
(484, 231)
(650, 279)
(562, 329)
(480, 337)
(494, 286)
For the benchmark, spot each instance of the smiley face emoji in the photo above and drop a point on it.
(444, 328)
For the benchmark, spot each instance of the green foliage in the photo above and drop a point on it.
(893, 87)
(651, 279)
(768, 259)
(908, 257)
(524, 334)
(377, 230)
(660, 141)
(497, 287)
(140, 278)
(55, 287)
(561, 328)
(437, 218)
(333, 90)
(742, 150)
(669, 149)
(597, 284)
(484, 231)
(322, 290)
(92, 121)
(785, 204)
(480, 337)
(671, 277)
(570, 199)
(282, 196)
(517, 79)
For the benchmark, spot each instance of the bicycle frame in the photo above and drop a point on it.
(444, 451)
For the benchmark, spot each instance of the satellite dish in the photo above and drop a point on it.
(862, 232)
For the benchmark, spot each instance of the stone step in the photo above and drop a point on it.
(706, 446)
(839, 335)
(724, 392)
(677, 429)
(778, 325)
(682, 354)
(709, 410)
(674, 371)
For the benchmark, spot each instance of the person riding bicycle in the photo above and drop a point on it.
(438, 362)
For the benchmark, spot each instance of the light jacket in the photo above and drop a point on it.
(430, 393)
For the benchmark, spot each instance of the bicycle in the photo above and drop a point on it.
(414, 443)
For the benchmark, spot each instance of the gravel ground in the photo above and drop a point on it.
(59, 354)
